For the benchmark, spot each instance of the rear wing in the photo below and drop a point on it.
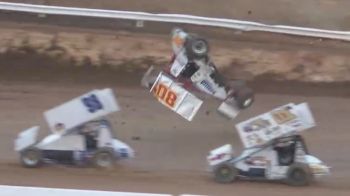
(175, 97)
(73, 113)
(282, 121)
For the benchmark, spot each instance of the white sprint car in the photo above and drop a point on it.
(192, 70)
(78, 136)
(274, 149)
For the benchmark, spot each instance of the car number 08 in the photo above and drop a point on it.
(165, 94)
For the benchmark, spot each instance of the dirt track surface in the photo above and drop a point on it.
(171, 151)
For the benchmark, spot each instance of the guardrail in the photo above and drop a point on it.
(39, 191)
(176, 18)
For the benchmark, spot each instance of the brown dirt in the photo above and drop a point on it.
(328, 14)
(171, 152)
(34, 68)
(293, 59)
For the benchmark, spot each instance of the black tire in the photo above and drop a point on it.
(225, 173)
(299, 174)
(244, 98)
(103, 158)
(31, 157)
(196, 47)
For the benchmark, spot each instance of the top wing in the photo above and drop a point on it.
(175, 97)
(279, 122)
(90, 106)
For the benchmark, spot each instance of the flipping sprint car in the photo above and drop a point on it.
(79, 134)
(274, 149)
(191, 70)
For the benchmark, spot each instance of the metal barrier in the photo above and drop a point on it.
(176, 18)
(39, 191)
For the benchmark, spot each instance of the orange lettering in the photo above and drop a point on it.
(162, 91)
(171, 98)
(165, 94)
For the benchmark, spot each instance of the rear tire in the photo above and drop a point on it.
(225, 173)
(103, 158)
(31, 157)
(244, 98)
(299, 174)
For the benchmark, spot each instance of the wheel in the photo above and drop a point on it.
(31, 157)
(196, 47)
(244, 98)
(225, 173)
(299, 174)
(103, 158)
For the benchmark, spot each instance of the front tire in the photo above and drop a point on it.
(225, 173)
(299, 174)
(31, 157)
(103, 158)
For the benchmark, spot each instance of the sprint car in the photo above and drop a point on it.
(79, 134)
(274, 150)
(191, 70)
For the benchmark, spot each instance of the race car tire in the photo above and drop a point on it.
(299, 174)
(31, 157)
(244, 98)
(196, 47)
(225, 173)
(103, 158)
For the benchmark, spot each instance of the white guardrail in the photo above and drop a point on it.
(176, 18)
(38, 191)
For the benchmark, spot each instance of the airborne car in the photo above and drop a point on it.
(274, 150)
(79, 134)
(191, 70)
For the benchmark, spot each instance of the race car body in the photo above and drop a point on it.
(274, 149)
(78, 134)
(192, 69)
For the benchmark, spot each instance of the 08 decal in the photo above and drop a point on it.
(165, 94)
